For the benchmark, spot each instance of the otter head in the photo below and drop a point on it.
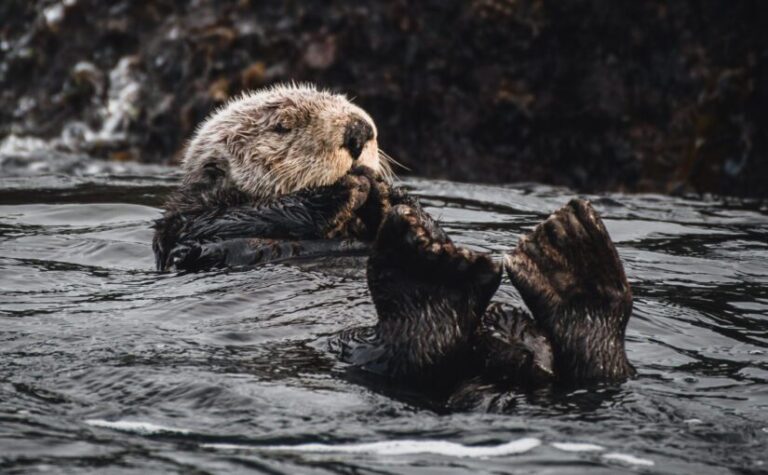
(282, 139)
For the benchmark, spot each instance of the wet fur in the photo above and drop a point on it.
(267, 178)
(427, 313)
(212, 224)
(280, 140)
(571, 278)
(273, 163)
(436, 328)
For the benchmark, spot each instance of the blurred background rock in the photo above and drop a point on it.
(663, 96)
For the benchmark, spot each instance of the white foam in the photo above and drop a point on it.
(144, 428)
(23, 146)
(576, 447)
(630, 459)
(401, 447)
(54, 14)
(389, 447)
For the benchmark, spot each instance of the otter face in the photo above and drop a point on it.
(279, 140)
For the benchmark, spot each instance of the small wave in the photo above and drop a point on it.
(387, 447)
(576, 447)
(401, 447)
(630, 459)
(581, 447)
(144, 428)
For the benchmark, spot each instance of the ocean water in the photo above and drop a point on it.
(107, 366)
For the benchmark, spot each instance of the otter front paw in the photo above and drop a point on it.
(198, 256)
(377, 204)
(352, 193)
(570, 276)
(189, 257)
(365, 197)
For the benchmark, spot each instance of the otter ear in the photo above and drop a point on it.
(213, 171)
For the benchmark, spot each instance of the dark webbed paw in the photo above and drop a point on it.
(570, 276)
(429, 293)
(409, 239)
(569, 260)
(481, 395)
(511, 348)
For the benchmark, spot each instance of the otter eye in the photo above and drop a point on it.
(280, 128)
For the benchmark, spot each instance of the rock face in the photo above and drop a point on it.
(596, 94)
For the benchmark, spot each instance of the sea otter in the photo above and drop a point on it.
(292, 171)
(273, 164)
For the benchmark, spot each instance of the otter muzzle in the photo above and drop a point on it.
(356, 135)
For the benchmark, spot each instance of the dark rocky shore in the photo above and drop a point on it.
(596, 94)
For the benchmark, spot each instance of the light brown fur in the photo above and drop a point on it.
(278, 140)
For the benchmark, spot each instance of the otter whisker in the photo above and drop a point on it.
(389, 158)
(385, 168)
(386, 161)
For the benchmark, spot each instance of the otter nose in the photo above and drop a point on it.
(356, 135)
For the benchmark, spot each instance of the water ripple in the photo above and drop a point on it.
(107, 363)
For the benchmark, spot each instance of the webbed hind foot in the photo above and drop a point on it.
(571, 278)
(429, 295)
(413, 260)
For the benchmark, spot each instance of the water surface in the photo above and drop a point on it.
(107, 366)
